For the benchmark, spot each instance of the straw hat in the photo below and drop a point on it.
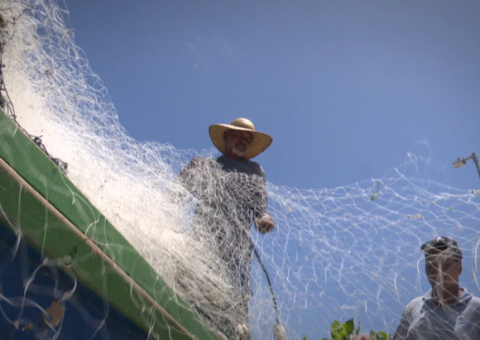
(261, 141)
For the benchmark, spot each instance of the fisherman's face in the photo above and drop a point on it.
(442, 271)
(237, 142)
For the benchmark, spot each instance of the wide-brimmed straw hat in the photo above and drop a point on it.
(261, 141)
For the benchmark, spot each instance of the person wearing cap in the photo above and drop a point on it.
(447, 311)
(232, 198)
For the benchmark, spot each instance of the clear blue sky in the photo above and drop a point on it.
(346, 88)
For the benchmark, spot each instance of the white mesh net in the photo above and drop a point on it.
(335, 254)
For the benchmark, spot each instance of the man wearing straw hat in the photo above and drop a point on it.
(447, 311)
(231, 197)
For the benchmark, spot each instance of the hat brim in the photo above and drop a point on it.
(261, 141)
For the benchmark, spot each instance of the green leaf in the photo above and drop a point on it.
(383, 335)
(372, 198)
(338, 331)
(358, 329)
(347, 331)
(349, 326)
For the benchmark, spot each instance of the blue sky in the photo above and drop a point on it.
(346, 88)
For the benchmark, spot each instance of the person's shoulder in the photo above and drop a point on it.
(472, 310)
(475, 302)
(254, 164)
(418, 301)
(257, 167)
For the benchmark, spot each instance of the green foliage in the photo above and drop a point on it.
(342, 331)
(347, 331)
(372, 198)
(380, 335)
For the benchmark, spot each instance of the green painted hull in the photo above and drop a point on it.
(39, 201)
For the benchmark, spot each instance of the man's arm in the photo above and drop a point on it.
(187, 176)
(192, 165)
(263, 221)
(186, 183)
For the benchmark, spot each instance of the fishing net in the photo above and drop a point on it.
(336, 253)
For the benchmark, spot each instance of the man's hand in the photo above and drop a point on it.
(194, 163)
(264, 224)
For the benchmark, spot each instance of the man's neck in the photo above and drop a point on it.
(231, 155)
(450, 296)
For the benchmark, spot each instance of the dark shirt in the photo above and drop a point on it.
(229, 193)
(254, 183)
